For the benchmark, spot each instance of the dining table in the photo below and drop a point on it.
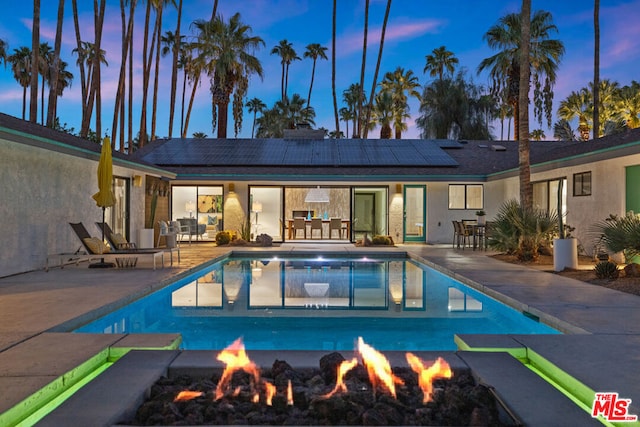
(307, 222)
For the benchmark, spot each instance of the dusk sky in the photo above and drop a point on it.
(415, 28)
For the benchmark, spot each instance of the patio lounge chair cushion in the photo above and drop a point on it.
(95, 245)
(118, 239)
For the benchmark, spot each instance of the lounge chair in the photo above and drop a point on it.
(95, 246)
(119, 243)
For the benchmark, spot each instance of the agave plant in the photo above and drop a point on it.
(621, 234)
(522, 231)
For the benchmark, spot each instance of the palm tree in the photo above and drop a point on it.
(609, 94)
(375, 74)
(157, 35)
(596, 69)
(383, 113)
(287, 55)
(504, 69)
(174, 69)
(578, 105)
(45, 62)
(354, 97)
(227, 53)
(537, 135)
(20, 62)
(439, 60)
(400, 84)
(333, 67)
(346, 115)
(64, 79)
(199, 135)
(524, 163)
(314, 51)
(87, 58)
(562, 131)
(357, 131)
(55, 67)
(119, 104)
(628, 105)
(35, 44)
(3, 51)
(454, 109)
(255, 106)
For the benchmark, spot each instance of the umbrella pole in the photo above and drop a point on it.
(102, 264)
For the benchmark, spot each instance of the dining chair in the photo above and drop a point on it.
(463, 234)
(456, 235)
(299, 224)
(335, 224)
(316, 224)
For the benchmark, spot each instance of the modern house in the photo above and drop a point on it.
(408, 189)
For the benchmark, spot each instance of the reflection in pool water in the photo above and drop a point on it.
(318, 304)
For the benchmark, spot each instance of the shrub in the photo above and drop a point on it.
(520, 231)
(606, 270)
(621, 234)
(245, 230)
(381, 240)
(223, 238)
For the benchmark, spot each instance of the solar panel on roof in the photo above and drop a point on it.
(279, 152)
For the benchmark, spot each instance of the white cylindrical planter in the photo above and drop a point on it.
(565, 254)
(145, 238)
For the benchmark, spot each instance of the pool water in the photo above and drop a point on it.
(318, 304)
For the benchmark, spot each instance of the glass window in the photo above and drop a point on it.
(582, 184)
(456, 196)
(466, 196)
(266, 212)
(545, 195)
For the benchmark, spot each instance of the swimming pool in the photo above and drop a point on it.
(318, 304)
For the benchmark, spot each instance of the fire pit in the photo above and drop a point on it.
(363, 390)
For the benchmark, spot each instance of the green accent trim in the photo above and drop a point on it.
(575, 156)
(43, 397)
(36, 416)
(116, 352)
(90, 153)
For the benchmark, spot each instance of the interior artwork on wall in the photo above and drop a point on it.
(209, 204)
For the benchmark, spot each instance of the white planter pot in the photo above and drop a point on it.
(565, 254)
(145, 238)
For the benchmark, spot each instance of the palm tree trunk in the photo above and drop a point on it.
(174, 71)
(119, 100)
(154, 108)
(282, 83)
(35, 54)
(130, 106)
(313, 72)
(333, 68)
(253, 127)
(596, 70)
(193, 95)
(83, 81)
(53, 86)
(526, 196)
(184, 89)
(375, 74)
(42, 102)
(145, 77)
(357, 131)
(96, 81)
(24, 101)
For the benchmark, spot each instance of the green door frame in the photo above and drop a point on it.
(412, 237)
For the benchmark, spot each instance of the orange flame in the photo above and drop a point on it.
(378, 368)
(187, 395)
(289, 394)
(439, 369)
(344, 367)
(235, 359)
(270, 391)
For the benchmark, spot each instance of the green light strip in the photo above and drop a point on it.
(33, 419)
(566, 392)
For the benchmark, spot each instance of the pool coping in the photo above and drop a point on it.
(614, 315)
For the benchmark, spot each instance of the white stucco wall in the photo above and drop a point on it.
(42, 191)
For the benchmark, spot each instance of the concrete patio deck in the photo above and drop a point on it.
(600, 350)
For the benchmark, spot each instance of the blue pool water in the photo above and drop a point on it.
(318, 304)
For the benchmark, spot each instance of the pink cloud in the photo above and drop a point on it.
(395, 32)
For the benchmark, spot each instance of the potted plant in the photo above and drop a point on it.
(481, 217)
(565, 247)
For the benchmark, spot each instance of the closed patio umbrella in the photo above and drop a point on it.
(104, 197)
